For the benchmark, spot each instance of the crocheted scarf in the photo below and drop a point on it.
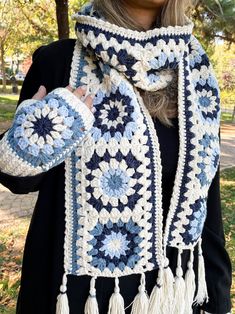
(113, 177)
(114, 215)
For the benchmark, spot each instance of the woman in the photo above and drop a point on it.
(98, 222)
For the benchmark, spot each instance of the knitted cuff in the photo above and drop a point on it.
(44, 132)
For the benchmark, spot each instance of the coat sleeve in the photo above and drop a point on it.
(43, 133)
(217, 261)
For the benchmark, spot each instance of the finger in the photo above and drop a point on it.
(69, 88)
(80, 91)
(89, 101)
(40, 93)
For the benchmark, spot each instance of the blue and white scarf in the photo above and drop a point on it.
(113, 170)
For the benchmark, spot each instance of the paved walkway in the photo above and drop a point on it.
(14, 206)
(227, 145)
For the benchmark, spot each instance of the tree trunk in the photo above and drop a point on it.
(3, 67)
(62, 18)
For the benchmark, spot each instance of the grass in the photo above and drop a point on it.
(226, 117)
(227, 183)
(7, 107)
(11, 246)
(12, 242)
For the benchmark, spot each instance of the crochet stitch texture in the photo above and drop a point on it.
(113, 164)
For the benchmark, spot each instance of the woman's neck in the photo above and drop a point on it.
(144, 17)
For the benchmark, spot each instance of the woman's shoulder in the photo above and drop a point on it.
(55, 51)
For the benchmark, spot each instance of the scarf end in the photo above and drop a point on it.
(62, 305)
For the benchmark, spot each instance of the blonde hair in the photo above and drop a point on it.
(161, 104)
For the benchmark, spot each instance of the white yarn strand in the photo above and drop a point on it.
(116, 302)
(179, 288)
(168, 288)
(141, 301)
(157, 294)
(62, 305)
(91, 306)
(190, 285)
(202, 294)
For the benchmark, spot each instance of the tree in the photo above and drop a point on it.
(215, 19)
(62, 18)
(10, 21)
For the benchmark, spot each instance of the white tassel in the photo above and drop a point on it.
(91, 306)
(168, 289)
(62, 305)
(116, 302)
(157, 294)
(190, 285)
(141, 301)
(202, 294)
(179, 287)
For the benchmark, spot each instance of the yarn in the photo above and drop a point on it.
(113, 166)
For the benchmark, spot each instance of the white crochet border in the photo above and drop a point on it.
(139, 35)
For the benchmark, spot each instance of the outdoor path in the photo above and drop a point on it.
(14, 206)
(227, 145)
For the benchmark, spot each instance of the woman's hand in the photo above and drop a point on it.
(78, 92)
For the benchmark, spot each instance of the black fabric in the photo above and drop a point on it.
(43, 254)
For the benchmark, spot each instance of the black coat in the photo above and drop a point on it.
(43, 254)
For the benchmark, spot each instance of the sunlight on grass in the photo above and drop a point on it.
(226, 117)
(12, 240)
(227, 183)
(7, 107)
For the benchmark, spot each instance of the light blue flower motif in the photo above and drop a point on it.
(23, 142)
(205, 141)
(153, 78)
(34, 150)
(44, 126)
(196, 53)
(114, 182)
(196, 225)
(115, 244)
(53, 103)
(212, 82)
(21, 118)
(209, 147)
(19, 131)
(158, 62)
(206, 98)
(66, 134)
(48, 149)
(63, 111)
(215, 160)
(114, 119)
(208, 105)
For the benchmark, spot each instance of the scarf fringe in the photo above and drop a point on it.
(168, 287)
(62, 305)
(141, 301)
(202, 293)
(179, 288)
(91, 306)
(157, 294)
(163, 293)
(169, 295)
(190, 285)
(116, 302)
